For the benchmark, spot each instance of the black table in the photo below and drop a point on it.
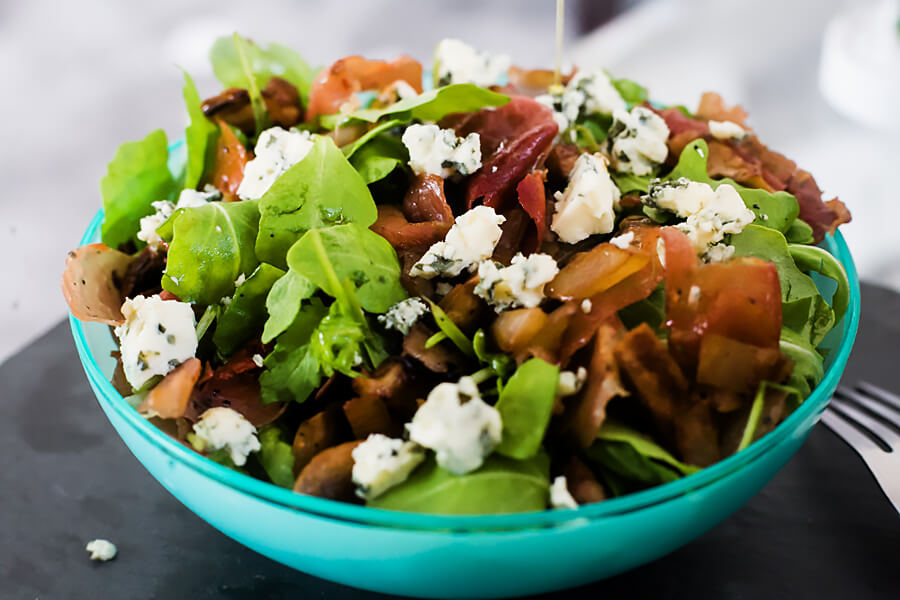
(820, 529)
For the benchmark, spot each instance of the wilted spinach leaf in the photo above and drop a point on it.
(501, 485)
(211, 246)
(525, 405)
(137, 175)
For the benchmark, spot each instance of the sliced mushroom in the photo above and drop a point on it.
(169, 399)
(89, 283)
(330, 474)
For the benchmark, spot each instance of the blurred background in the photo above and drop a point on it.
(82, 77)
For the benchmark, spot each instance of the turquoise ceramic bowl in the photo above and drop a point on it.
(449, 556)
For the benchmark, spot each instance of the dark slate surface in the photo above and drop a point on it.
(820, 529)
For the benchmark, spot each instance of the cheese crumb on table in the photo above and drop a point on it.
(102, 550)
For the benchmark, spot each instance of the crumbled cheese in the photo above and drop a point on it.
(101, 550)
(443, 288)
(225, 428)
(404, 314)
(240, 280)
(587, 93)
(157, 336)
(724, 213)
(277, 150)
(439, 152)
(571, 382)
(623, 241)
(726, 130)
(559, 494)
(457, 62)
(380, 463)
(258, 360)
(711, 213)
(520, 284)
(637, 140)
(458, 425)
(718, 253)
(586, 206)
(694, 294)
(164, 209)
(471, 240)
(586, 305)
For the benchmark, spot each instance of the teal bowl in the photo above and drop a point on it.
(455, 556)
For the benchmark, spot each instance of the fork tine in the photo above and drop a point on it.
(879, 409)
(888, 436)
(880, 393)
(853, 436)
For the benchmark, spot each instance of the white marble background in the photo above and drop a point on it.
(79, 78)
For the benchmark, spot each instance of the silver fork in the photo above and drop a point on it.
(868, 419)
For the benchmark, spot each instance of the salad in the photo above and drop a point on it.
(476, 290)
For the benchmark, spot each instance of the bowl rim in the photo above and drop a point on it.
(375, 517)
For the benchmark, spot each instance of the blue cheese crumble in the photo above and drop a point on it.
(458, 62)
(520, 284)
(380, 463)
(404, 314)
(637, 141)
(458, 425)
(726, 130)
(223, 428)
(164, 209)
(438, 151)
(277, 150)
(560, 497)
(471, 240)
(710, 214)
(587, 93)
(586, 207)
(102, 550)
(157, 336)
(571, 382)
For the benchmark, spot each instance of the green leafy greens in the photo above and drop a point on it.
(525, 405)
(200, 137)
(322, 189)
(211, 246)
(137, 176)
(243, 317)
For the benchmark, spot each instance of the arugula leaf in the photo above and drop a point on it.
(432, 105)
(499, 362)
(211, 246)
(803, 308)
(137, 175)
(525, 405)
(337, 343)
(776, 211)
(276, 456)
(264, 63)
(260, 113)
(809, 365)
(291, 371)
(200, 136)
(633, 93)
(799, 233)
(450, 330)
(246, 313)
(582, 137)
(500, 485)
(651, 310)
(329, 256)
(635, 456)
(817, 260)
(283, 303)
(322, 189)
(350, 149)
(628, 182)
(378, 158)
